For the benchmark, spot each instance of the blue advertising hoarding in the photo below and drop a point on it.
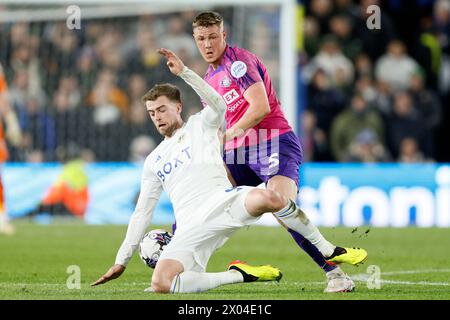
(381, 195)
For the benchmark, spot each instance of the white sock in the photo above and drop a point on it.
(336, 271)
(297, 220)
(191, 281)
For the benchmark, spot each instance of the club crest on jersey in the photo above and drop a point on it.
(225, 83)
(238, 69)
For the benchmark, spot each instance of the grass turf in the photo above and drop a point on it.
(412, 261)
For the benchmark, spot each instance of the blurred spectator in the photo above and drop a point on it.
(444, 77)
(108, 47)
(38, 128)
(93, 31)
(350, 123)
(367, 148)
(384, 99)
(87, 70)
(87, 155)
(341, 27)
(110, 103)
(19, 34)
(139, 125)
(34, 156)
(109, 142)
(137, 87)
(363, 66)
(338, 68)
(263, 49)
(426, 102)
(396, 67)
(64, 120)
(68, 85)
(112, 59)
(143, 58)
(322, 11)
(266, 14)
(405, 121)
(59, 54)
(19, 90)
(178, 40)
(140, 148)
(365, 86)
(314, 139)
(410, 153)
(311, 36)
(23, 62)
(441, 23)
(71, 124)
(346, 7)
(324, 100)
(374, 41)
(428, 51)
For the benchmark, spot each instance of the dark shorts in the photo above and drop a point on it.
(253, 165)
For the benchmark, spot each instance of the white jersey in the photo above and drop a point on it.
(188, 166)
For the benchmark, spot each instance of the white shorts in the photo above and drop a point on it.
(194, 244)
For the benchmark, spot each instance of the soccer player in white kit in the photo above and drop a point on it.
(188, 166)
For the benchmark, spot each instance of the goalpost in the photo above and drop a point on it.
(286, 66)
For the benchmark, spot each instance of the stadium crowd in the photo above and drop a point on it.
(376, 95)
(84, 86)
(371, 95)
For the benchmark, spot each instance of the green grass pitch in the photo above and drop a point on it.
(414, 264)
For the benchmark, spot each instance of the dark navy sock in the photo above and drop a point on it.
(311, 250)
(174, 227)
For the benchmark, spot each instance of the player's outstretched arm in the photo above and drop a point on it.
(113, 273)
(174, 63)
(203, 89)
(148, 198)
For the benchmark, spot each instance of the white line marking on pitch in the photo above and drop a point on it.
(421, 283)
(363, 277)
(414, 271)
(61, 284)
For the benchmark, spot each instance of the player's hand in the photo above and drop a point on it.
(232, 133)
(173, 61)
(114, 272)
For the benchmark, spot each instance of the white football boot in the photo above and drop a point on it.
(339, 281)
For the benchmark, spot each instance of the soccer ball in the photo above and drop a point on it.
(152, 244)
